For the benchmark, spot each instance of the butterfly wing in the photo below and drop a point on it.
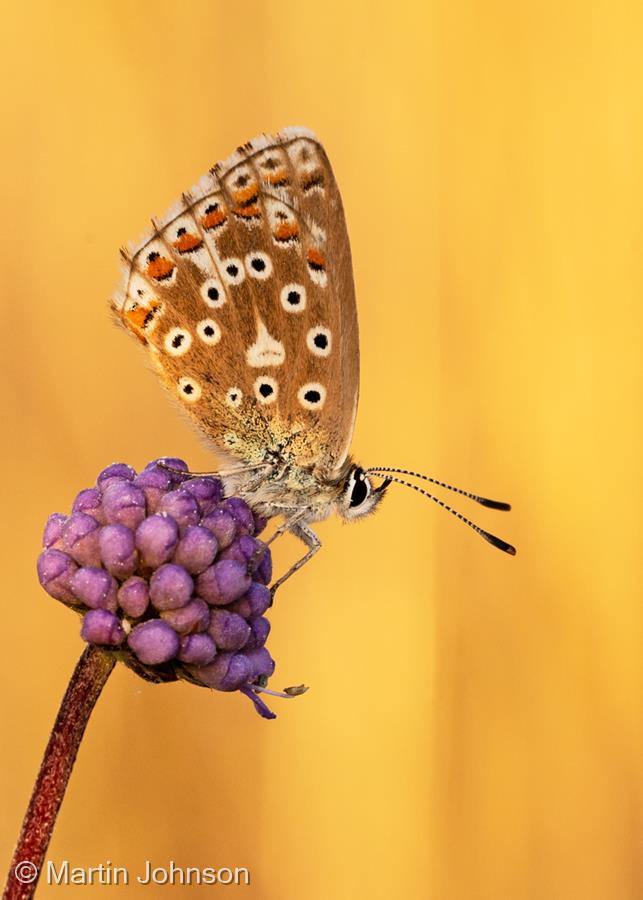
(243, 294)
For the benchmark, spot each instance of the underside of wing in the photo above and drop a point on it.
(243, 294)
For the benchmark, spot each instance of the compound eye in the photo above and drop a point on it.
(360, 490)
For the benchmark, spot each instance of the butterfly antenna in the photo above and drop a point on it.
(483, 501)
(491, 538)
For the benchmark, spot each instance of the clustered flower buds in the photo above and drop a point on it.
(168, 574)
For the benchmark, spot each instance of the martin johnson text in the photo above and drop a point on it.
(108, 872)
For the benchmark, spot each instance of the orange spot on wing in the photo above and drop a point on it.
(316, 259)
(245, 194)
(247, 212)
(287, 231)
(139, 317)
(187, 242)
(214, 219)
(160, 268)
(278, 177)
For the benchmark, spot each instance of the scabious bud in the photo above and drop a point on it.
(168, 573)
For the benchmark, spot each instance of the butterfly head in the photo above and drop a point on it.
(359, 497)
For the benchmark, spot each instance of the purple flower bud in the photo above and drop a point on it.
(197, 649)
(90, 501)
(102, 627)
(259, 631)
(80, 538)
(227, 673)
(174, 463)
(206, 491)
(156, 540)
(117, 550)
(124, 504)
(196, 549)
(53, 529)
(154, 642)
(133, 596)
(181, 506)
(55, 572)
(194, 616)
(254, 603)
(228, 629)
(170, 587)
(247, 549)
(263, 572)
(260, 523)
(223, 582)
(261, 663)
(154, 483)
(95, 588)
(222, 525)
(115, 472)
(241, 513)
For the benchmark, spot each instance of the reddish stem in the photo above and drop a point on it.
(91, 673)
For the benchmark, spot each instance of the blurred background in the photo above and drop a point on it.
(473, 729)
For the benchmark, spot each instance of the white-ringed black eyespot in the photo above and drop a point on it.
(189, 389)
(233, 270)
(293, 298)
(319, 341)
(258, 265)
(177, 341)
(312, 395)
(213, 293)
(266, 389)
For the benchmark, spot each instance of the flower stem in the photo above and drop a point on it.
(91, 673)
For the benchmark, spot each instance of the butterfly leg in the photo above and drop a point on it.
(310, 539)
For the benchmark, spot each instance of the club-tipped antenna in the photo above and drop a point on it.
(491, 538)
(483, 501)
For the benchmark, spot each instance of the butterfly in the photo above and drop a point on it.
(243, 296)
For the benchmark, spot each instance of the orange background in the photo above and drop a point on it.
(473, 730)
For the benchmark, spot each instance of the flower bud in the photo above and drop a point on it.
(259, 631)
(117, 550)
(154, 642)
(197, 649)
(173, 463)
(222, 525)
(79, 538)
(95, 588)
(196, 549)
(181, 506)
(100, 626)
(249, 550)
(156, 540)
(228, 629)
(193, 617)
(124, 504)
(53, 529)
(55, 572)
(134, 596)
(154, 483)
(253, 603)
(115, 472)
(90, 501)
(261, 663)
(241, 513)
(206, 492)
(223, 582)
(227, 673)
(170, 587)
